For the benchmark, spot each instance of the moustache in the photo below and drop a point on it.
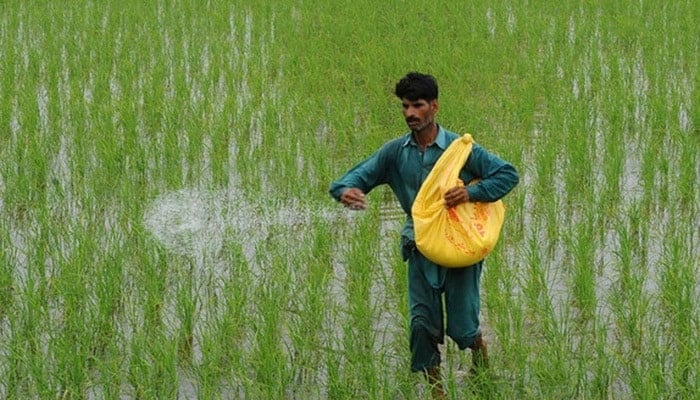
(412, 120)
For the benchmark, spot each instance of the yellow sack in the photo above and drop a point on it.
(459, 236)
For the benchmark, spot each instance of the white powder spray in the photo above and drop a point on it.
(195, 223)
(188, 222)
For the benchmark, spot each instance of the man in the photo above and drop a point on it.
(404, 163)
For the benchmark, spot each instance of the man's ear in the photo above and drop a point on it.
(434, 105)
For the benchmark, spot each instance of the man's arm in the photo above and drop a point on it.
(351, 188)
(497, 178)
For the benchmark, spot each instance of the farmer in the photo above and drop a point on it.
(403, 163)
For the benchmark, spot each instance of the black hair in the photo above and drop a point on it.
(416, 86)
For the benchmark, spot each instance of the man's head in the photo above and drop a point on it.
(418, 93)
(415, 86)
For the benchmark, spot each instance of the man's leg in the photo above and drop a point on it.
(480, 356)
(463, 303)
(426, 319)
(437, 390)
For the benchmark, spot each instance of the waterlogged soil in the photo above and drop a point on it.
(196, 224)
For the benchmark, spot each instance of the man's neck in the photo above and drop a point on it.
(426, 136)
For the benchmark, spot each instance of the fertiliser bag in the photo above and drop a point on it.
(459, 236)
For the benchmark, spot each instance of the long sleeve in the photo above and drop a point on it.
(365, 176)
(498, 177)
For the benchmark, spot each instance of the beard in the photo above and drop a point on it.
(416, 125)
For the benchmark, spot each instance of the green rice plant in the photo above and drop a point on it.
(505, 314)
(153, 273)
(613, 172)
(583, 272)
(578, 147)
(308, 329)
(152, 365)
(269, 359)
(548, 201)
(534, 286)
(679, 314)
(105, 108)
(637, 331)
(108, 303)
(7, 283)
(25, 370)
(550, 342)
(186, 304)
(359, 337)
(108, 379)
(629, 300)
(223, 338)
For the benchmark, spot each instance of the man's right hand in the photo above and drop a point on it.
(354, 199)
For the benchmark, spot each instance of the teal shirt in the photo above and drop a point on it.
(403, 166)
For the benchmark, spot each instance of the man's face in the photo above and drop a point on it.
(419, 114)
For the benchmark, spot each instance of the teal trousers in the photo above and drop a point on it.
(432, 289)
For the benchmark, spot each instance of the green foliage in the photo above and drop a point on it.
(591, 293)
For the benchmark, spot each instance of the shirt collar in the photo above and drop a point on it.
(440, 139)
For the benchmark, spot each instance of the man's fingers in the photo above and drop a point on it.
(455, 196)
(354, 199)
(451, 195)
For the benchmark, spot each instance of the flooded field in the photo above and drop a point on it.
(166, 231)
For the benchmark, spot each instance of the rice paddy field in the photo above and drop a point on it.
(166, 230)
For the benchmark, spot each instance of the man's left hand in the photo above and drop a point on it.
(455, 196)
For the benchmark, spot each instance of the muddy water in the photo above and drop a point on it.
(195, 222)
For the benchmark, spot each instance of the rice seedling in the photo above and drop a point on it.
(166, 232)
